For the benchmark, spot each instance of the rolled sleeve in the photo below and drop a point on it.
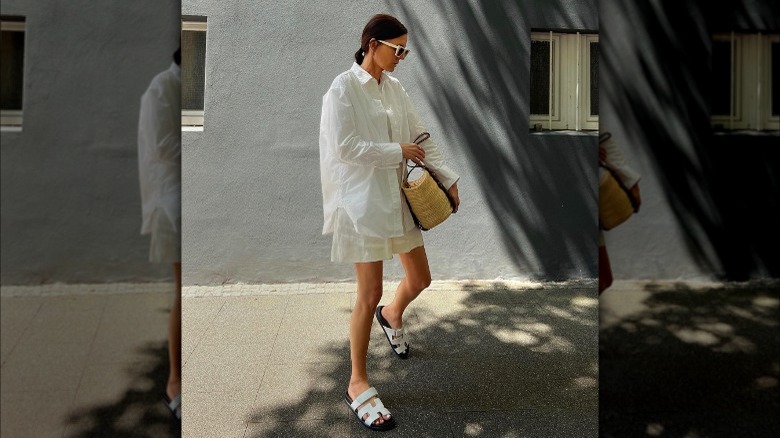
(617, 161)
(433, 156)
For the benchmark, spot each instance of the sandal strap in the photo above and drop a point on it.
(362, 398)
(397, 340)
(175, 402)
(374, 410)
(396, 335)
(174, 405)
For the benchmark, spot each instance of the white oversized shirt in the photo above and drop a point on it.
(159, 147)
(617, 162)
(362, 125)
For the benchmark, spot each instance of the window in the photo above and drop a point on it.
(12, 70)
(193, 70)
(564, 81)
(745, 91)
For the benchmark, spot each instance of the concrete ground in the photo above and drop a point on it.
(687, 359)
(80, 360)
(488, 359)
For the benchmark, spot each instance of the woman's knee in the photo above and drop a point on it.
(419, 283)
(369, 297)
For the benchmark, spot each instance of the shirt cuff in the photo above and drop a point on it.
(447, 176)
(391, 155)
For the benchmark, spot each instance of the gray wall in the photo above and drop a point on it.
(70, 197)
(710, 201)
(252, 208)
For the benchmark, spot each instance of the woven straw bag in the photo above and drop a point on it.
(428, 200)
(616, 202)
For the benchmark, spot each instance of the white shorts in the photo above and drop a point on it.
(166, 240)
(351, 247)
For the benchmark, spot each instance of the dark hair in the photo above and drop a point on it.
(177, 56)
(381, 27)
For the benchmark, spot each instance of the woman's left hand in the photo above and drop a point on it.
(453, 191)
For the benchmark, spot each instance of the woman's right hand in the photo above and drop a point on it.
(413, 151)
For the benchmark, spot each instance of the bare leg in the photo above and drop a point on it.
(605, 270)
(174, 339)
(369, 292)
(417, 278)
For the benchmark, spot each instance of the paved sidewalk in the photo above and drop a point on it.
(488, 359)
(690, 359)
(85, 360)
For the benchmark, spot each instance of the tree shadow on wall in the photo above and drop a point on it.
(722, 187)
(541, 189)
(685, 362)
(502, 362)
(139, 413)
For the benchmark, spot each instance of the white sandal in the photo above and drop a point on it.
(173, 405)
(394, 336)
(375, 410)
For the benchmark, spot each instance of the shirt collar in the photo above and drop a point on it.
(364, 76)
(175, 69)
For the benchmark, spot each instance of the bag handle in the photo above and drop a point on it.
(420, 138)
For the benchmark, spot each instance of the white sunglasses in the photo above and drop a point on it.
(400, 51)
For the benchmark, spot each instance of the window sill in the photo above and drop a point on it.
(192, 129)
(10, 129)
(588, 133)
(751, 132)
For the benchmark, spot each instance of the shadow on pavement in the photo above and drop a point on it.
(139, 413)
(693, 362)
(498, 362)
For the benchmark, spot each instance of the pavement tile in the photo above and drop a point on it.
(57, 304)
(129, 340)
(191, 339)
(239, 368)
(34, 413)
(256, 305)
(496, 331)
(18, 309)
(215, 414)
(310, 344)
(410, 422)
(30, 367)
(162, 428)
(130, 307)
(233, 327)
(525, 423)
(105, 384)
(689, 359)
(202, 308)
(257, 353)
(318, 309)
(330, 427)
(66, 327)
(16, 314)
(293, 392)
(501, 383)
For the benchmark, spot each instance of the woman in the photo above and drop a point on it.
(366, 133)
(611, 156)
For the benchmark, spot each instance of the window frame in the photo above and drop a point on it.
(569, 108)
(13, 119)
(769, 121)
(194, 118)
(751, 75)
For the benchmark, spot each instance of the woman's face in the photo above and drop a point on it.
(384, 55)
